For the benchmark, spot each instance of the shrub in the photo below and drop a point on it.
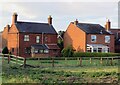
(67, 52)
(5, 50)
(87, 54)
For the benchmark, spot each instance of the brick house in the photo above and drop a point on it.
(31, 39)
(116, 32)
(85, 37)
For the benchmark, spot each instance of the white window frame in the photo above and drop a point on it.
(37, 39)
(26, 38)
(46, 51)
(107, 39)
(95, 38)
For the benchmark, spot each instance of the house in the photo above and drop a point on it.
(86, 37)
(116, 32)
(31, 39)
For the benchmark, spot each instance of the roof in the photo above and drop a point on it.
(115, 30)
(53, 46)
(45, 46)
(92, 28)
(34, 27)
(39, 46)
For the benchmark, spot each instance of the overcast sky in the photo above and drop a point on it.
(62, 12)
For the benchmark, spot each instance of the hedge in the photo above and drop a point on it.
(88, 54)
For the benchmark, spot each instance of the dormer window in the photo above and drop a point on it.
(26, 37)
(93, 38)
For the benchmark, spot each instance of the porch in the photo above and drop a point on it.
(98, 48)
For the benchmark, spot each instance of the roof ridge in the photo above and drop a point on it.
(31, 22)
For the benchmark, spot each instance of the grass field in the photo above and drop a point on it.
(65, 71)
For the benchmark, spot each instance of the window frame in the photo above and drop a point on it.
(93, 36)
(37, 39)
(106, 37)
(26, 38)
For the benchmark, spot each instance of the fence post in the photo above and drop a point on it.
(8, 58)
(101, 60)
(16, 59)
(24, 64)
(80, 61)
(111, 62)
(107, 61)
(90, 60)
(52, 62)
(65, 61)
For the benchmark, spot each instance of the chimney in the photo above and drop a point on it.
(14, 18)
(76, 22)
(49, 19)
(108, 25)
(8, 27)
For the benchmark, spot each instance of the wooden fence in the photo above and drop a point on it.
(22, 61)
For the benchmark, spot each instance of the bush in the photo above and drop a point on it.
(5, 50)
(67, 52)
(87, 54)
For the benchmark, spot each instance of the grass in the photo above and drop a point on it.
(73, 63)
(65, 71)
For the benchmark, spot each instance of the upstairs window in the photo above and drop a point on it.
(26, 37)
(107, 39)
(37, 39)
(93, 38)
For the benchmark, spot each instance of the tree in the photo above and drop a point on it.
(67, 52)
(60, 39)
(5, 50)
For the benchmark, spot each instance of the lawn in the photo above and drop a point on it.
(64, 71)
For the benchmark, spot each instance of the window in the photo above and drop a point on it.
(46, 51)
(107, 39)
(37, 39)
(28, 50)
(12, 49)
(119, 40)
(36, 51)
(26, 37)
(94, 49)
(41, 51)
(46, 39)
(89, 50)
(99, 49)
(93, 38)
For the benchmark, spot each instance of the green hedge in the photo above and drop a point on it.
(88, 54)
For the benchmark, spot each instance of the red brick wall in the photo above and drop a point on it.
(52, 39)
(75, 37)
(13, 40)
(4, 37)
(101, 40)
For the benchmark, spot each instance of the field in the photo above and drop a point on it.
(64, 71)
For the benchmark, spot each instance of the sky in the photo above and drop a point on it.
(63, 12)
